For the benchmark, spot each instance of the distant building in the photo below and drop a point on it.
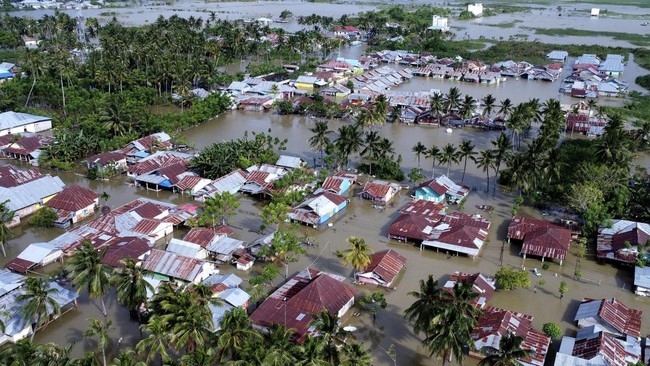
(440, 23)
(476, 9)
(15, 122)
(380, 191)
(619, 241)
(595, 12)
(440, 190)
(557, 56)
(613, 65)
(178, 267)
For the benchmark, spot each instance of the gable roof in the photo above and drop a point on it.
(204, 236)
(378, 188)
(481, 285)
(443, 185)
(106, 158)
(73, 198)
(30, 193)
(124, 247)
(173, 265)
(540, 237)
(10, 119)
(12, 177)
(614, 313)
(423, 208)
(386, 264)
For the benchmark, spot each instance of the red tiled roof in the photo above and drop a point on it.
(203, 236)
(146, 226)
(540, 237)
(12, 177)
(73, 198)
(148, 210)
(495, 322)
(188, 182)
(386, 264)
(618, 315)
(300, 299)
(106, 158)
(124, 247)
(20, 265)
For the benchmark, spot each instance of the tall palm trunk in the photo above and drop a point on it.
(464, 170)
(38, 321)
(30, 91)
(103, 306)
(433, 169)
(448, 167)
(487, 171)
(62, 94)
(104, 356)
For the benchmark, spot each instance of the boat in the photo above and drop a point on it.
(449, 130)
(644, 23)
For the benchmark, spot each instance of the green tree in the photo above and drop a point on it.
(234, 334)
(38, 303)
(328, 326)
(552, 330)
(6, 215)
(485, 162)
(488, 103)
(127, 357)
(44, 217)
(320, 139)
(563, 289)
(354, 354)
(285, 248)
(130, 285)
(509, 278)
(425, 308)
(157, 341)
(416, 175)
(100, 330)
(275, 213)
(357, 254)
(448, 156)
(419, 149)
(510, 352)
(433, 153)
(86, 271)
(219, 207)
(372, 302)
(465, 152)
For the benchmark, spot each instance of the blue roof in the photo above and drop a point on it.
(141, 154)
(4, 74)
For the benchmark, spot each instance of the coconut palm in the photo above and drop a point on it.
(127, 357)
(86, 271)
(419, 149)
(488, 103)
(372, 149)
(357, 255)
(437, 105)
(355, 354)
(312, 352)
(281, 349)
(38, 302)
(235, 332)
(6, 215)
(502, 149)
(426, 307)
(467, 106)
(448, 155)
(130, 285)
(509, 353)
(465, 152)
(452, 99)
(505, 108)
(320, 140)
(485, 162)
(328, 327)
(451, 331)
(433, 153)
(349, 142)
(157, 341)
(100, 330)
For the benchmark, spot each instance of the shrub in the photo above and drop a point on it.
(44, 217)
(552, 330)
(509, 278)
(546, 265)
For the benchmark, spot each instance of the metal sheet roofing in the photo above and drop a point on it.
(185, 248)
(173, 265)
(73, 198)
(225, 245)
(10, 120)
(235, 296)
(289, 161)
(386, 264)
(31, 192)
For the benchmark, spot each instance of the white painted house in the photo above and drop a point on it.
(476, 9)
(14, 122)
(440, 23)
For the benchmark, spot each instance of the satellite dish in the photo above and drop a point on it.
(105, 210)
(350, 328)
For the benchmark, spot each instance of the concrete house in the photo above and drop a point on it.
(107, 163)
(187, 249)
(609, 315)
(441, 189)
(27, 148)
(318, 209)
(36, 255)
(15, 122)
(476, 9)
(482, 285)
(459, 233)
(73, 204)
(440, 23)
(611, 241)
(231, 183)
(337, 185)
(380, 191)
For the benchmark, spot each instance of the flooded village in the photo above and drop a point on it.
(162, 201)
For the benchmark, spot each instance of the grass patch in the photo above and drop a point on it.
(635, 39)
(504, 25)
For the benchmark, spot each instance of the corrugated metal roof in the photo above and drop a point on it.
(289, 161)
(235, 296)
(386, 264)
(185, 248)
(225, 246)
(10, 120)
(173, 265)
(31, 192)
(73, 198)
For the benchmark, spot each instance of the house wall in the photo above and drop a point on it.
(55, 255)
(82, 214)
(421, 195)
(208, 269)
(245, 267)
(305, 86)
(346, 307)
(31, 127)
(164, 229)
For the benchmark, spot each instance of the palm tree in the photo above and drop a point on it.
(448, 156)
(486, 161)
(312, 352)
(350, 141)
(86, 270)
(357, 255)
(502, 149)
(6, 215)
(327, 326)
(505, 108)
(130, 285)
(372, 148)
(437, 105)
(426, 307)
(451, 330)
(452, 99)
(114, 120)
(488, 103)
(157, 341)
(235, 332)
(38, 302)
(509, 352)
(466, 151)
(467, 106)
(433, 153)
(419, 149)
(127, 357)
(100, 329)
(320, 139)
(281, 348)
(356, 355)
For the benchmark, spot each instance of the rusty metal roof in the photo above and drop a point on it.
(124, 247)
(73, 198)
(204, 236)
(173, 265)
(386, 264)
(148, 210)
(146, 226)
(540, 237)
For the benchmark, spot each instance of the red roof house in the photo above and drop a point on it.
(296, 303)
(619, 242)
(380, 191)
(120, 248)
(540, 238)
(73, 204)
(609, 315)
(598, 348)
(206, 236)
(495, 323)
(384, 267)
(481, 285)
(460, 233)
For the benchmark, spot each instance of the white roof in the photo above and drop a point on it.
(14, 119)
(185, 248)
(235, 296)
(30, 193)
(320, 205)
(36, 252)
(557, 55)
(225, 245)
(289, 161)
(229, 280)
(642, 276)
(9, 281)
(306, 79)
